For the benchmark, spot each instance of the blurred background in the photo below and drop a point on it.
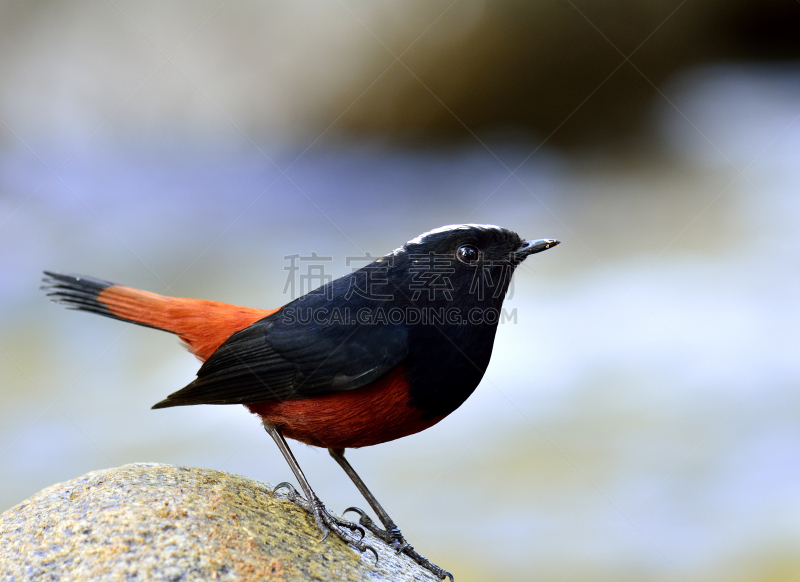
(641, 418)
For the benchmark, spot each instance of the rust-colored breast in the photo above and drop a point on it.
(376, 413)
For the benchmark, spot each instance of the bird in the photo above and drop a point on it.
(378, 354)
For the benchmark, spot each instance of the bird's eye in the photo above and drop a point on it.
(467, 254)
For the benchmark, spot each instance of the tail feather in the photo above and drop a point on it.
(203, 325)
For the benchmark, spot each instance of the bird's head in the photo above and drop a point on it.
(464, 259)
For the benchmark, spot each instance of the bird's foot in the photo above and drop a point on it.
(327, 523)
(394, 539)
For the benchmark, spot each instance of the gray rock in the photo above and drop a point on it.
(163, 522)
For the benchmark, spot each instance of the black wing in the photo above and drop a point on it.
(275, 359)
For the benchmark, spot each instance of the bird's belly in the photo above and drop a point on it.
(376, 413)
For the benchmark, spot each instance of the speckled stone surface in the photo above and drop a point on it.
(164, 522)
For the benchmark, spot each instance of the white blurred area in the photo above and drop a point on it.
(638, 422)
(207, 67)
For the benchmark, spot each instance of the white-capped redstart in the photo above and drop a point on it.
(378, 354)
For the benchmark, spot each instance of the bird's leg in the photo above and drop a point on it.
(326, 522)
(392, 534)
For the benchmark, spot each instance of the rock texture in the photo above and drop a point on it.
(163, 522)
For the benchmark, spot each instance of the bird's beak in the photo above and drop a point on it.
(531, 247)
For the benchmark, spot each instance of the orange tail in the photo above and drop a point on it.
(203, 325)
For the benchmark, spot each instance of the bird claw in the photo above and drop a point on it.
(394, 538)
(350, 525)
(326, 522)
(373, 550)
(367, 522)
(293, 495)
(363, 518)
